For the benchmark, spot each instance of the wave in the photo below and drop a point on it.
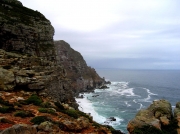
(86, 106)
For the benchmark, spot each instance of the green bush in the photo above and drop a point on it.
(39, 119)
(46, 110)
(34, 99)
(6, 109)
(23, 114)
(72, 113)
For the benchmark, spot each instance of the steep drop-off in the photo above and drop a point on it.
(37, 82)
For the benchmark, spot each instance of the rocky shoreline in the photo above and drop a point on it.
(40, 77)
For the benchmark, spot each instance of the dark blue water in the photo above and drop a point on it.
(130, 91)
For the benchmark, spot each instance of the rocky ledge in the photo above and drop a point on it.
(158, 118)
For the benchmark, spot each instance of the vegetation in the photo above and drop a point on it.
(34, 99)
(47, 110)
(6, 109)
(39, 119)
(23, 114)
(24, 14)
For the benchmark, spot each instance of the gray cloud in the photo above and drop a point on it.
(118, 34)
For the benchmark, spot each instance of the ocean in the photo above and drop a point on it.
(129, 91)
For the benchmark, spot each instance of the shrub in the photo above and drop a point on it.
(34, 99)
(23, 114)
(46, 110)
(6, 109)
(39, 119)
(72, 113)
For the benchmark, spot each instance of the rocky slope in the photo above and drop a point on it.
(84, 78)
(157, 119)
(38, 83)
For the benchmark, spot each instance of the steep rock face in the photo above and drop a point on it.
(24, 30)
(83, 77)
(157, 118)
(29, 60)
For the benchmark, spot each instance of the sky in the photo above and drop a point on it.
(125, 34)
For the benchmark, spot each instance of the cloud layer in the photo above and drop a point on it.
(133, 34)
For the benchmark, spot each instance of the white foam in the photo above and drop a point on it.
(127, 104)
(86, 106)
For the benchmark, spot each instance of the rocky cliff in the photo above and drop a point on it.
(83, 77)
(158, 118)
(37, 82)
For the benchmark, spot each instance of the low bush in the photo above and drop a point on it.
(47, 110)
(34, 99)
(6, 109)
(23, 114)
(39, 119)
(71, 113)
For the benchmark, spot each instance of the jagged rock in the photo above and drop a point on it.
(103, 87)
(75, 125)
(25, 30)
(161, 108)
(48, 127)
(84, 78)
(158, 114)
(7, 79)
(20, 129)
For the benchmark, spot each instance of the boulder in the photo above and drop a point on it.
(46, 126)
(157, 114)
(20, 129)
(7, 79)
(161, 108)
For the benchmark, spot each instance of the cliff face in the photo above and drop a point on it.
(37, 82)
(32, 61)
(83, 77)
(24, 30)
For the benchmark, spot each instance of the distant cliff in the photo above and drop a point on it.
(83, 77)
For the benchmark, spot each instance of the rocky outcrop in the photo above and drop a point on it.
(157, 117)
(29, 60)
(24, 30)
(38, 83)
(83, 77)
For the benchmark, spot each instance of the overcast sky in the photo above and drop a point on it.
(128, 34)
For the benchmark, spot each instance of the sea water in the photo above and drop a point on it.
(129, 91)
